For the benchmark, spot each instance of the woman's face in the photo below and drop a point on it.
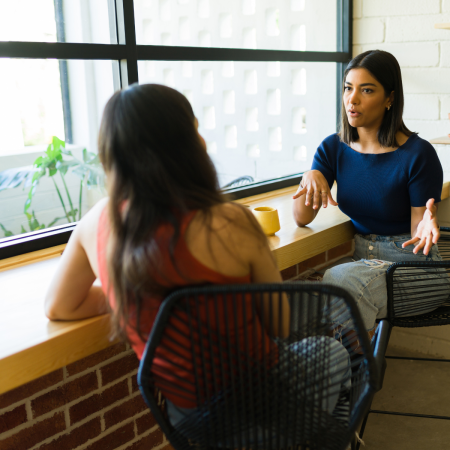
(199, 135)
(365, 100)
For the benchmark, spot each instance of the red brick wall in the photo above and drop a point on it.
(319, 261)
(92, 404)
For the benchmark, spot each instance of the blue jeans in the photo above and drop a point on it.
(315, 370)
(365, 277)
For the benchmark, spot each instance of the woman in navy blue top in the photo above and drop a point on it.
(389, 183)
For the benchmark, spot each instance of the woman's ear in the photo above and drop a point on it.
(391, 98)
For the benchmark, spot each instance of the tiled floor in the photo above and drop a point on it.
(420, 387)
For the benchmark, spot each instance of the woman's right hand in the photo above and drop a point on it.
(316, 188)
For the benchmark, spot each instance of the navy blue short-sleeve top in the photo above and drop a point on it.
(377, 190)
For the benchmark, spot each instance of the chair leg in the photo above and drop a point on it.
(354, 443)
(361, 431)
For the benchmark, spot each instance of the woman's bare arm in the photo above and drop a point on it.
(71, 294)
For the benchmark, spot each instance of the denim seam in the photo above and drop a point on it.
(367, 285)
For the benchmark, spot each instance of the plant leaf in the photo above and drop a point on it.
(38, 161)
(58, 143)
(65, 163)
(34, 223)
(13, 178)
(63, 166)
(73, 213)
(27, 205)
(90, 158)
(6, 232)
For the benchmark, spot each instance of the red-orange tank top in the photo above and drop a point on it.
(193, 273)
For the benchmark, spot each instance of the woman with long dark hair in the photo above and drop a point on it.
(389, 183)
(166, 225)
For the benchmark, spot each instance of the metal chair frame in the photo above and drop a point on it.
(424, 320)
(369, 365)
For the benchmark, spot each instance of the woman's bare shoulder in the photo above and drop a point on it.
(225, 238)
(93, 215)
(229, 222)
(234, 217)
(86, 231)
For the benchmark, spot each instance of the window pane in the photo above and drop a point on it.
(271, 24)
(41, 99)
(57, 21)
(262, 120)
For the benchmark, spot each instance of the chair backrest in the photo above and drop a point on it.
(214, 375)
(444, 243)
(241, 181)
(418, 288)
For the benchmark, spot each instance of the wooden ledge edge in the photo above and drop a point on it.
(32, 257)
(314, 244)
(445, 190)
(52, 354)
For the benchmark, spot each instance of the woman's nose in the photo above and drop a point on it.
(353, 98)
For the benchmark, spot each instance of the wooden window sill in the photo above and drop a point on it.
(32, 346)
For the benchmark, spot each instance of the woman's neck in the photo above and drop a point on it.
(368, 140)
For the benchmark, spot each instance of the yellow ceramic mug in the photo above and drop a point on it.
(268, 219)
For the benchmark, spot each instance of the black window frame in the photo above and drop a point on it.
(128, 53)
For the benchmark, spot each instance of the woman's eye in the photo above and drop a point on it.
(367, 91)
(346, 88)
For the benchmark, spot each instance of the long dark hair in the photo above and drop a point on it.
(157, 171)
(385, 68)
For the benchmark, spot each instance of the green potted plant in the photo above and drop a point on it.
(56, 160)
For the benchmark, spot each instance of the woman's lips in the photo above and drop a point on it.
(354, 114)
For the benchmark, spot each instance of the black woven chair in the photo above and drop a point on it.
(249, 391)
(238, 182)
(444, 243)
(418, 296)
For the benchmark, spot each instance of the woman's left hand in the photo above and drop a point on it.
(427, 232)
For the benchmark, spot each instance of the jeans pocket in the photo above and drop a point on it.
(397, 245)
(433, 254)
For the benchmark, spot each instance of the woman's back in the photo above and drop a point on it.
(219, 249)
(165, 225)
(206, 252)
(226, 244)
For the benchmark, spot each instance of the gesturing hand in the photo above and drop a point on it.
(427, 230)
(315, 186)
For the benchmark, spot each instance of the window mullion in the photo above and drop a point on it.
(344, 16)
(126, 34)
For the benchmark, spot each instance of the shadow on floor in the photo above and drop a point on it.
(419, 387)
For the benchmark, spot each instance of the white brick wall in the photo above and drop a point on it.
(445, 106)
(368, 31)
(421, 107)
(382, 8)
(445, 54)
(416, 28)
(446, 6)
(405, 28)
(357, 9)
